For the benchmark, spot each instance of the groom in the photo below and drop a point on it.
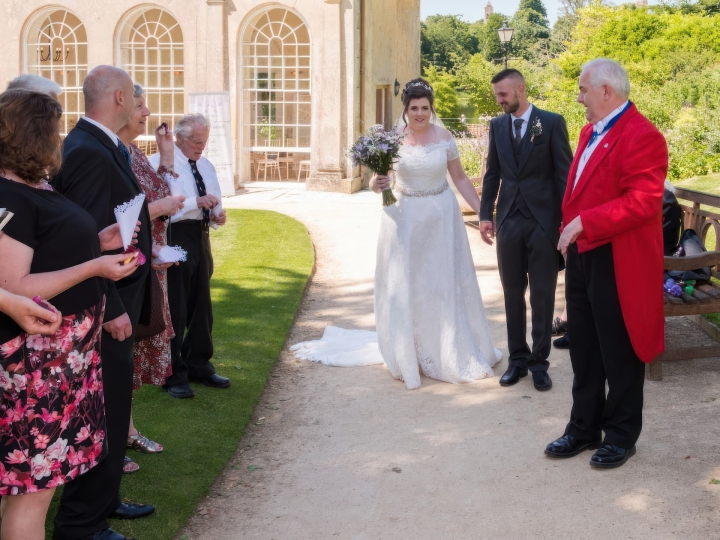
(530, 151)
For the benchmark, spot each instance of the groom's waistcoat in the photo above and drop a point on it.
(529, 177)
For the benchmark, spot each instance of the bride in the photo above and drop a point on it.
(428, 309)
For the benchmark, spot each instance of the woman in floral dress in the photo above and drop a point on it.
(152, 355)
(52, 415)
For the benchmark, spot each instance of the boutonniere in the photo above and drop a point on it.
(535, 129)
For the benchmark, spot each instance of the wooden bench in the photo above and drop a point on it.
(702, 214)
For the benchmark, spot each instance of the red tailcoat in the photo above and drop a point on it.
(619, 200)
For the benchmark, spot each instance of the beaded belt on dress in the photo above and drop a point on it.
(421, 192)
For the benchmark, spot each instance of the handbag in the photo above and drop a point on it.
(157, 311)
(691, 244)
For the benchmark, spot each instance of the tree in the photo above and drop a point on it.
(475, 77)
(446, 41)
(532, 32)
(446, 98)
(487, 36)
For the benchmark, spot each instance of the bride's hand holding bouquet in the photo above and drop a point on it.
(378, 151)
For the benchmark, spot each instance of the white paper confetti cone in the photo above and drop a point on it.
(127, 215)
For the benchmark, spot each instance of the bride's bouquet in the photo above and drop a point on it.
(377, 151)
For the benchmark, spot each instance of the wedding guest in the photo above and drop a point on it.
(529, 151)
(96, 174)
(53, 429)
(612, 217)
(152, 354)
(36, 83)
(189, 283)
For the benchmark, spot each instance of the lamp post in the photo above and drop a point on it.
(505, 33)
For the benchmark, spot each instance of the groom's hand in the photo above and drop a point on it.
(487, 232)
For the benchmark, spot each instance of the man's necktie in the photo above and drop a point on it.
(201, 189)
(518, 122)
(125, 152)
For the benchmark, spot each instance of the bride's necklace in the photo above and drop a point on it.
(411, 132)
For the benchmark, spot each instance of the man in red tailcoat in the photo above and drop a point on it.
(612, 235)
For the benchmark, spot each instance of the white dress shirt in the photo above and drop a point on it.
(187, 181)
(108, 131)
(526, 121)
(597, 128)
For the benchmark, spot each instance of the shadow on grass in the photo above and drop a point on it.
(256, 290)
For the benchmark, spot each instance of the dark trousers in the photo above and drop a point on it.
(190, 304)
(526, 254)
(89, 499)
(600, 351)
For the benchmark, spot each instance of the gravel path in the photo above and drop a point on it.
(350, 453)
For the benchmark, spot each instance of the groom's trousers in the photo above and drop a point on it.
(600, 350)
(527, 255)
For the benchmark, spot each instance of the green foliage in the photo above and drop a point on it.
(475, 77)
(673, 61)
(471, 155)
(446, 41)
(671, 53)
(487, 36)
(446, 98)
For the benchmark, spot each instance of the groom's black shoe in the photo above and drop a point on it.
(569, 446)
(610, 456)
(513, 375)
(541, 380)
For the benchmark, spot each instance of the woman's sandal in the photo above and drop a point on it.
(143, 444)
(559, 326)
(130, 466)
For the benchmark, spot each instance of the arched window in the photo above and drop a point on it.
(56, 48)
(276, 82)
(151, 51)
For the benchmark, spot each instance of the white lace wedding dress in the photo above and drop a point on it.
(428, 307)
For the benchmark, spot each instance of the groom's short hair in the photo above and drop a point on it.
(508, 74)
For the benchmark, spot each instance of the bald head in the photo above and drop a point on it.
(108, 92)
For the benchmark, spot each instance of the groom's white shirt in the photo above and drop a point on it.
(526, 121)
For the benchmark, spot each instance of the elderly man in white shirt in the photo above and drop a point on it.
(189, 283)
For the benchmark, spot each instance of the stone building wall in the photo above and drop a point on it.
(212, 33)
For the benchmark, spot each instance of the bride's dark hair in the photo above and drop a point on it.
(417, 89)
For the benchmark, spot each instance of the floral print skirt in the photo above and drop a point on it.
(52, 413)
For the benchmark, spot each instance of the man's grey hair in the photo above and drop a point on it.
(184, 127)
(138, 90)
(604, 71)
(35, 83)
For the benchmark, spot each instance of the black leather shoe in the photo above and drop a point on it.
(132, 511)
(541, 380)
(513, 375)
(214, 381)
(562, 342)
(107, 534)
(569, 446)
(610, 456)
(180, 391)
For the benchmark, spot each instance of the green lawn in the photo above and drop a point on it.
(262, 263)
(708, 184)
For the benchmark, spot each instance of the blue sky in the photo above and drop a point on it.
(473, 10)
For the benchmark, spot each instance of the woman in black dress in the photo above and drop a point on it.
(52, 417)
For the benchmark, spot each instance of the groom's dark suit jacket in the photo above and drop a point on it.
(538, 174)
